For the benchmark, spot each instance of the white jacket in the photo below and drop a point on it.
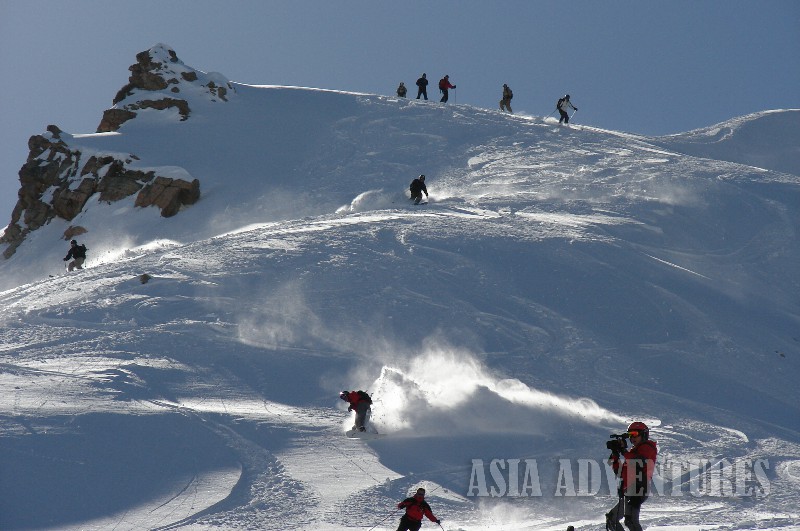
(566, 104)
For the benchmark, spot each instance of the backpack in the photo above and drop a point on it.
(510, 94)
(442, 84)
(363, 396)
(559, 102)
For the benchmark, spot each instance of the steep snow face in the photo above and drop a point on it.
(280, 153)
(561, 282)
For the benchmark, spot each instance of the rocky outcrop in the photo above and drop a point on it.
(156, 80)
(169, 195)
(60, 177)
(56, 181)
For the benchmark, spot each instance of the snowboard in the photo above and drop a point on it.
(366, 435)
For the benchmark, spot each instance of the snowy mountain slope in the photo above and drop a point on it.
(764, 140)
(560, 282)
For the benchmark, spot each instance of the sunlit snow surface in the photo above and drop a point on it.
(561, 282)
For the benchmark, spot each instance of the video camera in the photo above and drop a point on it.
(618, 442)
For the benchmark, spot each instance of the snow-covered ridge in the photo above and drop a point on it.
(764, 140)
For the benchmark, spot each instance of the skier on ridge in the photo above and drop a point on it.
(422, 84)
(444, 85)
(563, 105)
(505, 101)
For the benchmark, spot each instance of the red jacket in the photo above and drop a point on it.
(637, 470)
(416, 508)
(444, 83)
(354, 398)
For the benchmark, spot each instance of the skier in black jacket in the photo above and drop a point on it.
(78, 255)
(417, 187)
(422, 83)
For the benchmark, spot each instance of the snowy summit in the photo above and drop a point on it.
(253, 252)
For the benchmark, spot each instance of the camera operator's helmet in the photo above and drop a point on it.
(640, 428)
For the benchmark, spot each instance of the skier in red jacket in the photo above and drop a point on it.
(360, 402)
(635, 471)
(416, 507)
(444, 84)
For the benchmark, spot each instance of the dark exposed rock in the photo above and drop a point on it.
(113, 119)
(73, 231)
(157, 70)
(56, 181)
(48, 187)
(169, 195)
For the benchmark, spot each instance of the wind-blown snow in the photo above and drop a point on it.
(561, 282)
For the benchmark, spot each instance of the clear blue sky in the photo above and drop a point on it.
(650, 67)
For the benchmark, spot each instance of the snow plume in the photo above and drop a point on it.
(373, 200)
(284, 319)
(445, 390)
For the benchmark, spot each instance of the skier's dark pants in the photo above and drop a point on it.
(361, 414)
(407, 524)
(564, 117)
(422, 92)
(444, 96)
(629, 510)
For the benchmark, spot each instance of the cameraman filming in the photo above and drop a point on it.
(636, 471)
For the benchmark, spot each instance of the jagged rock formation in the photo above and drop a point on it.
(59, 178)
(156, 79)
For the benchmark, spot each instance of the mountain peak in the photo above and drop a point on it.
(161, 81)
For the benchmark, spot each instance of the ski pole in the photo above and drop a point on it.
(573, 113)
(619, 508)
(382, 520)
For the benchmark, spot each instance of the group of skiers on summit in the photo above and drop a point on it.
(633, 467)
(563, 105)
(422, 88)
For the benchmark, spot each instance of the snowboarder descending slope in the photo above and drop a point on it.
(78, 255)
(417, 187)
(635, 473)
(416, 507)
(444, 85)
(563, 105)
(505, 101)
(360, 402)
